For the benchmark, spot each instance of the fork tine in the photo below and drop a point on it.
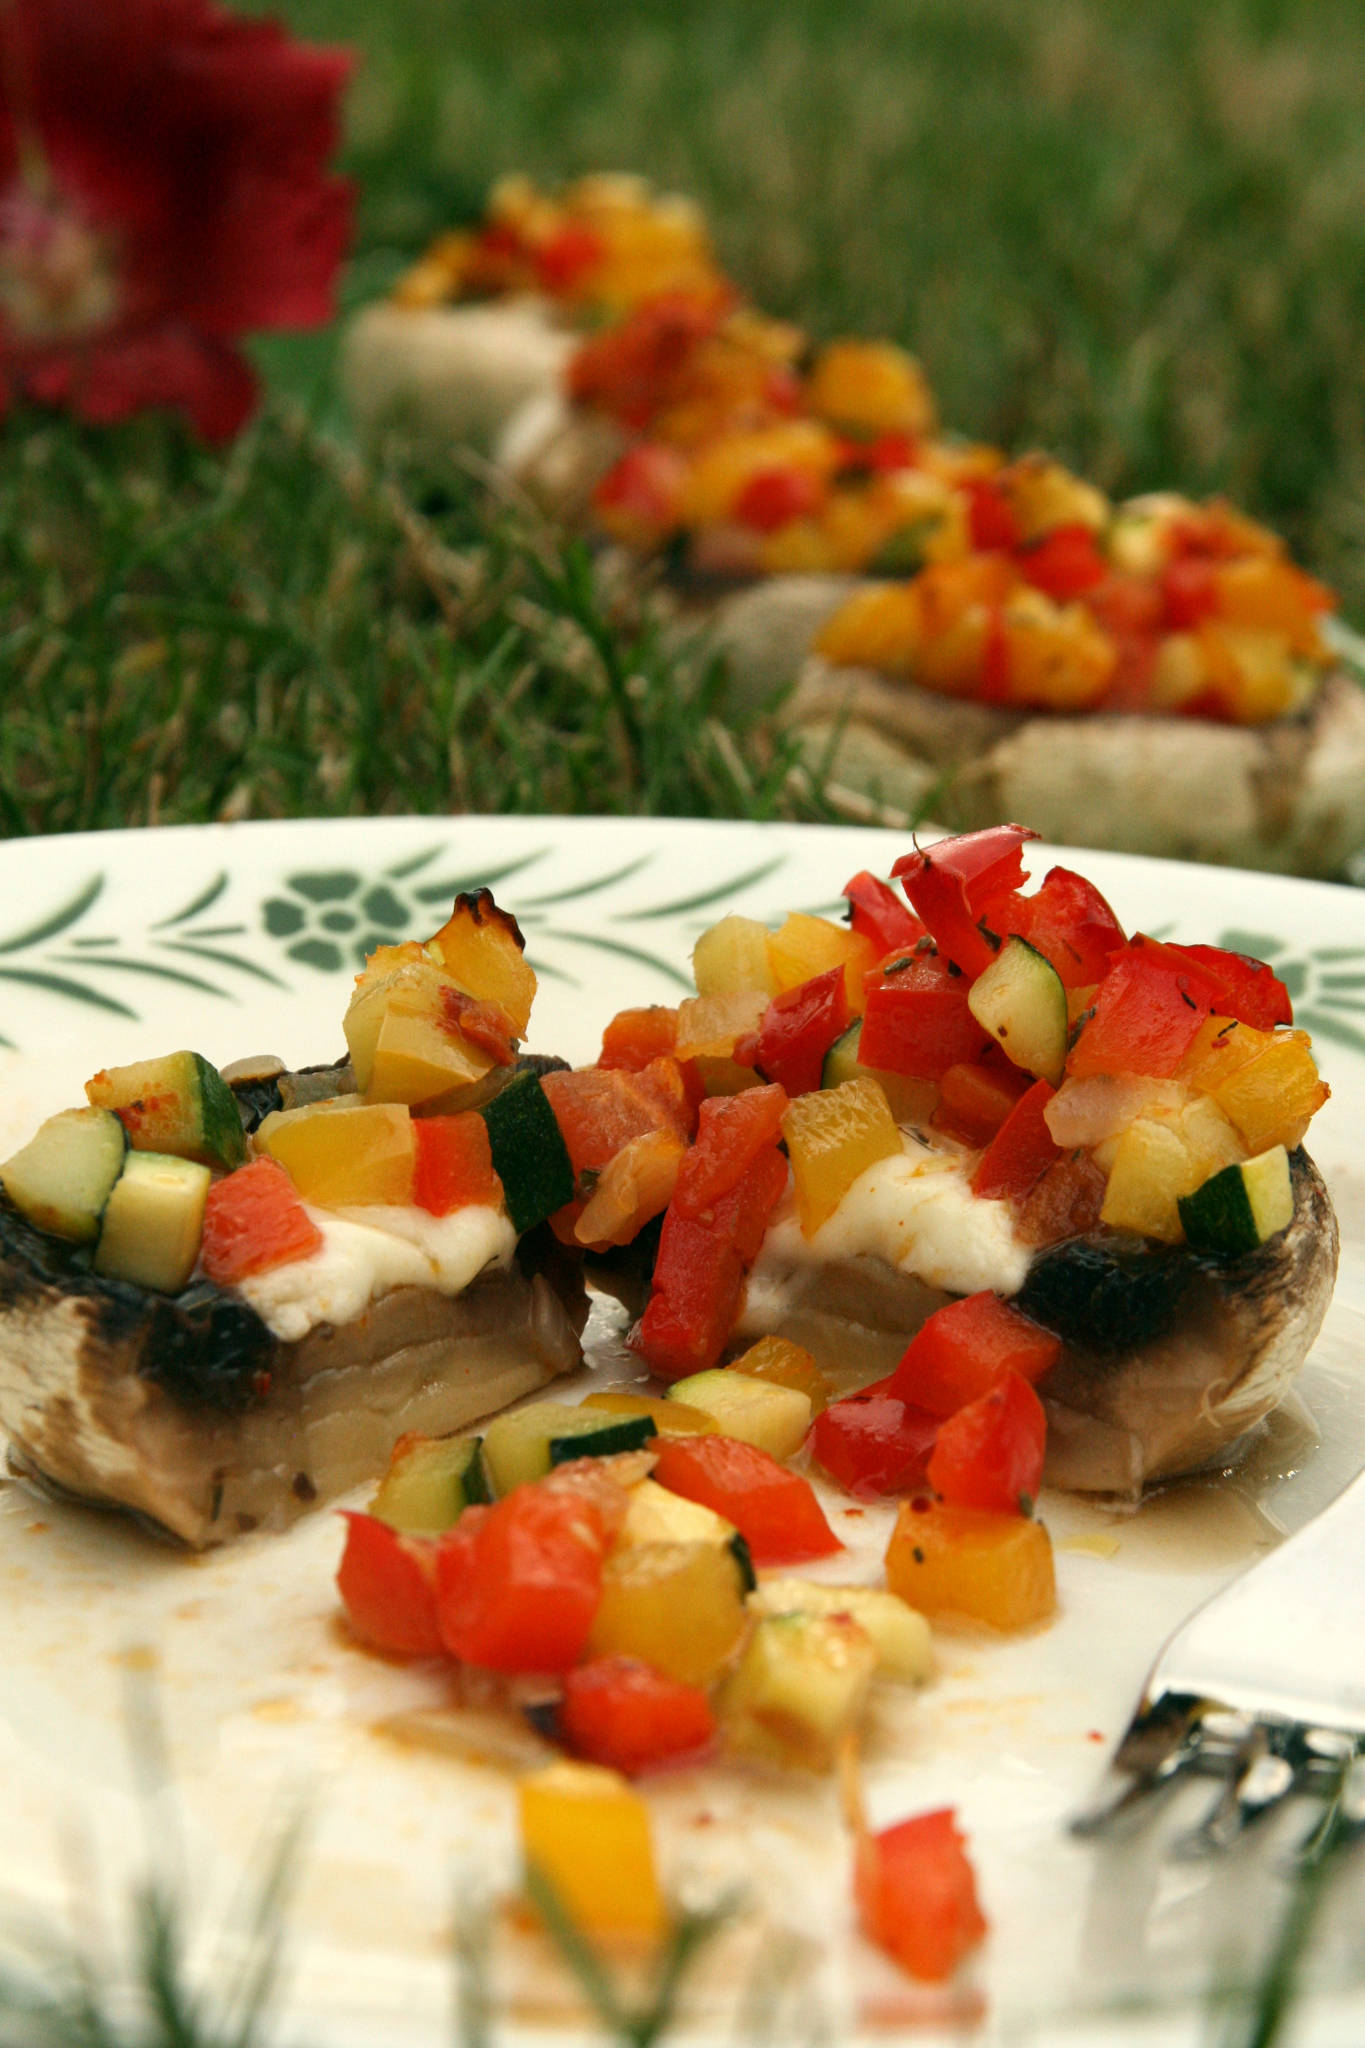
(1162, 1745)
(1261, 1779)
(1342, 1819)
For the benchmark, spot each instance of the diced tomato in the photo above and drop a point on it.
(629, 369)
(732, 1131)
(635, 1037)
(990, 518)
(1064, 563)
(600, 1109)
(1021, 1151)
(1145, 1015)
(570, 252)
(1189, 588)
(878, 913)
(454, 1164)
(638, 497)
(916, 1894)
(917, 1020)
(253, 1220)
(881, 454)
(621, 1712)
(774, 1509)
(964, 1349)
(1246, 989)
(774, 497)
(387, 1584)
(517, 1589)
(975, 1097)
(990, 1453)
(1070, 923)
(954, 884)
(798, 1028)
(873, 1443)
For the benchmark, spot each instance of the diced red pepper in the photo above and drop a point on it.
(563, 259)
(916, 1894)
(1145, 1015)
(882, 453)
(1064, 563)
(975, 1097)
(990, 1453)
(774, 497)
(387, 1584)
(732, 1131)
(774, 1509)
(798, 1028)
(621, 1712)
(1070, 923)
(964, 1349)
(635, 1037)
(917, 1019)
(953, 885)
(873, 1443)
(1189, 588)
(253, 1220)
(517, 1584)
(991, 518)
(484, 1024)
(1245, 988)
(453, 1168)
(600, 1109)
(878, 913)
(700, 1267)
(1065, 1201)
(629, 369)
(1021, 1151)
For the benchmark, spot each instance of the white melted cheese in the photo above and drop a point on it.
(916, 1211)
(367, 1252)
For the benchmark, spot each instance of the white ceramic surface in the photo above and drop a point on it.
(242, 939)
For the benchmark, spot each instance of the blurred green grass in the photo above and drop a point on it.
(1134, 235)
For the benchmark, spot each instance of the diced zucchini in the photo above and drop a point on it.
(911, 1101)
(153, 1221)
(430, 1482)
(1240, 1207)
(529, 1155)
(178, 1104)
(898, 1632)
(62, 1178)
(799, 1685)
(1020, 1000)
(760, 1412)
(525, 1443)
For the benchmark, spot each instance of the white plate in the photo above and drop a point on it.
(242, 939)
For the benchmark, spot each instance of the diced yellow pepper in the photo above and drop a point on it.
(343, 1154)
(787, 1365)
(670, 1418)
(481, 947)
(723, 467)
(708, 1026)
(1219, 1047)
(805, 946)
(989, 1567)
(1152, 1167)
(1272, 1096)
(880, 627)
(680, 1606)
(871, 387)
(1057, 656)
(731, 956)
(1043, 494)
(404, 1038)
(833, 1135)
(587, 1835)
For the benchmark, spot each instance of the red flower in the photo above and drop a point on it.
(163, 191)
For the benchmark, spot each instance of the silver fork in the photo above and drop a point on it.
(1264, 1688)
